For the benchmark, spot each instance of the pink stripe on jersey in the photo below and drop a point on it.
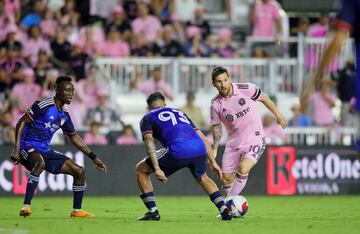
(239, 114)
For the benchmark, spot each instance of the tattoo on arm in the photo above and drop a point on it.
(151, 150)
(216, 131)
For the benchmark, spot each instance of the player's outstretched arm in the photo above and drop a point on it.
(271, 106)
(151, 152)
(80, 144)
(216, 131)
(331, 51)
(20, 126)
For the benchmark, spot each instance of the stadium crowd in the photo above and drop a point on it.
(40, 39)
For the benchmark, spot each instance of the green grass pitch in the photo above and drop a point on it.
(298, 214)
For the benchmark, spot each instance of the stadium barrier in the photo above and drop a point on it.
(281, 74)
(282, 170)
(305, 136)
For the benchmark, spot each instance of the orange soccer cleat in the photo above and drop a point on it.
(81, 214)
(25, 211)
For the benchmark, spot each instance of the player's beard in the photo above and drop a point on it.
(225, 92)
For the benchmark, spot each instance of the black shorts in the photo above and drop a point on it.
(170, 165)
(53, 160)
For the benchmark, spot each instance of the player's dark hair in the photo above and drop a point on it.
(62, 79)
(218, 70)
(154, 97)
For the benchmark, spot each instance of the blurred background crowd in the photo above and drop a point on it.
(41, 39)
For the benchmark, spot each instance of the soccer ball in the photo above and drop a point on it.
(238, 205)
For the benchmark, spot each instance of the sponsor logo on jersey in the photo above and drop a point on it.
(242, 113)
(242, 101)
(229, 117)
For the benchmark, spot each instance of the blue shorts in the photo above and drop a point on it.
(53, 160)
(170, 165)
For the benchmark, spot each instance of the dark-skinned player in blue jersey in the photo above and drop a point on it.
(34, 131)
(184, 146)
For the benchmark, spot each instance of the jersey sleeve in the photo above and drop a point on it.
(346, 17)
(34, 111)
(68, 126)
(145, 125)
(215, 115)
(252, 91)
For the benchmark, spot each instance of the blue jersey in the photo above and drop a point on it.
(46, 120)
(175, 131)
(349, 19)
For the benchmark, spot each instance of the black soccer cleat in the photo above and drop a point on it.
(150, 216)
(226, 214)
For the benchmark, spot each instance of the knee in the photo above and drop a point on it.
(227, 179)
(244, 170)
(40, 165)
(141, 168)
(203, 179)
(79, 172)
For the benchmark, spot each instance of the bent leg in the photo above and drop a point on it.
(241, 176)
(37, 164)
(143, 172)
(147, 194)
(227, 180)
(71, 168)
(215, 196)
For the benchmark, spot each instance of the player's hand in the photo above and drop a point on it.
(281, 120)
(15, 156)
(100, 165)
(160, 175)
(216, 169)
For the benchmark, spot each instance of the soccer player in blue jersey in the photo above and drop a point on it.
(34, 132)
(184, 146)
(347, 21)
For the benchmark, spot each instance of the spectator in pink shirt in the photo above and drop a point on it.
(27, 92)
(273, 130)
(49, 84)
(35, 43)
(312, 56)
(113, 46)
(266, 19)
(88, 88)
(89, 37)
(12, 9)
(322, 103)
(319, 29)
(48, 25)
(224, 47)
(77, 107)
(128, 137)
(196, 46)
(147, 24)
(156, 83)
(94, 137)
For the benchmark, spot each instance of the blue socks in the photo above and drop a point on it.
(149, 201)
(217, 199)
(78, 196)
(31, 186)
